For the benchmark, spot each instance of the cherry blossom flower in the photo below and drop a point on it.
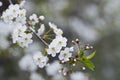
(14, 14)
(18, 30)
(53, 26)
(57, 31)
(56, 45)
(25, 40)
(60, 41)
(40, 59)
(19, 36)
(41, 29)
(41, 17)
(53, 49)
(66, 54)
(33, 19)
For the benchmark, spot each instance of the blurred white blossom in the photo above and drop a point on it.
(27, 64)
(111, 6)
(33, 48)
(4, 42)
(53, 68)
(41, 17)
(84, 30)
(22, 3)
(91, 12)
(78, 76)
(58, 77)
(1, 3)
(36, 76)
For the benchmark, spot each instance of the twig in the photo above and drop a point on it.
(10, 1)
(39, 37)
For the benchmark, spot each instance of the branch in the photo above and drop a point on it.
(39, 37)
(10, 1)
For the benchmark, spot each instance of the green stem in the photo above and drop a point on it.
(48, 31)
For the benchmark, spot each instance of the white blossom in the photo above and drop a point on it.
(19, 29)
(14, 9)
(4, 44)
(66, 54)
(56, 45)
(21, 17)
(19, 36)
(25, 40)
(41, 29)
(60, 41)
(36, 76)
(5, 31)
(53, 49)
(41, 17)
(33, 48)
(21, 20)
(58, 77)
(57, 31)
(22, 3)
(53, 68)
(22, 13)
(53, 26)
(27, 64)
(78, 76)
(40, 59)
(7, 16)
(14, 14)
(1, 3)
(34, 19)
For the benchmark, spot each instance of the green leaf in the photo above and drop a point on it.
(87, 63)
(91, 55)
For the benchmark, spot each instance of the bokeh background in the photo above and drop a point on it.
(92, 21)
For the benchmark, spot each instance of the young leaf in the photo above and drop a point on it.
(87, 63)
(91, 55)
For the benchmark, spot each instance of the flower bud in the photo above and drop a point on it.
(77, 40)
(41, 18)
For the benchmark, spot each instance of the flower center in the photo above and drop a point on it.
(60, 42)
(26, 39)
(53, 49)
(39, 59)
(65, 54)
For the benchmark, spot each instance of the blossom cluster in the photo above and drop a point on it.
(57, 43)
(25, 28)
(19, 36)
(14, 14)
(23, 33)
